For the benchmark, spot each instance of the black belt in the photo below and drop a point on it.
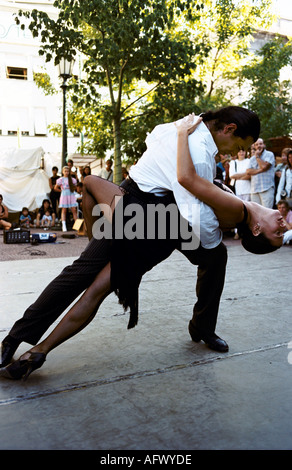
(131, 187)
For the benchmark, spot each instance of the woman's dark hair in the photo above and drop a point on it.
(42, 208)
(83, 171)
(248, 123)
(259, 245)
(46, 200)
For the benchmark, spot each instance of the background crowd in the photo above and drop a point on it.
(255, 176)
(252, 176)
(64, 203)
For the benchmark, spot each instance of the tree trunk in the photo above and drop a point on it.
(117, 151)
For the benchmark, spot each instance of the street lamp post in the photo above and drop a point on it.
(65, 72)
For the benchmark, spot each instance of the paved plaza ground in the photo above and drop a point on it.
(152, 388)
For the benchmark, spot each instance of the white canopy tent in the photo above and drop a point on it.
(25, 173)
(22, 181)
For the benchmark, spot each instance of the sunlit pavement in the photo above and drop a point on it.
(152, 387)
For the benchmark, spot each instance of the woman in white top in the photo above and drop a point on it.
(285, 183)
(237, 171)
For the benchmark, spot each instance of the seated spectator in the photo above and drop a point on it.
(46, 208)
(47, 220)
(4, 215)
(286, 213)
(25, 219)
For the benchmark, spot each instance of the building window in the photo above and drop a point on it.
(40, 122)
(17, 120)
(18, 73)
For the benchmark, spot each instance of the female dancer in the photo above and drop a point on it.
(67, 184)
(229, 209)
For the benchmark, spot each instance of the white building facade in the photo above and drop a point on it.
(25, 111)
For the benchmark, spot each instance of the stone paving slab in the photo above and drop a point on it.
(152, 387)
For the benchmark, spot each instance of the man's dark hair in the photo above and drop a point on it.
(248, 123)
(259, 245)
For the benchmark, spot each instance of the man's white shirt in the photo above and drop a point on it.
(156, 172)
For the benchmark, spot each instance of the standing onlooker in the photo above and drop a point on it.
(4, 215)
(252, 151)
(237, 172)
(78, 195)
(280, 167)
(285, 183)
(262, 172)
(86, 171)
(54, 194)
(72, 169)
(107, 172)
(67, 184)
(125, 173)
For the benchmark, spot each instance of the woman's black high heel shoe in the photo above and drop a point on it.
(22, 368)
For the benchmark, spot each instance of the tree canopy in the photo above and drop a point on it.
(151, 61)
(123, 42)
(269, 95)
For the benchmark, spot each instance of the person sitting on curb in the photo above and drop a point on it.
(286, 212)
(4, 215)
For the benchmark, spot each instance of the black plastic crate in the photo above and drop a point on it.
(16, 236)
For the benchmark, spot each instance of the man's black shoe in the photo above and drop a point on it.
(212, 340)
(8, 348)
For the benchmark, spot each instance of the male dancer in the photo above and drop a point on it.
(224, 131)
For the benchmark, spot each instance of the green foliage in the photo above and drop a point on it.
(270, 97)
(226, 27)
(124, 41)
(152, 61)
(43, 81)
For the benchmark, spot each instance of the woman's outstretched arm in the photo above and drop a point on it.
(204, 190)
